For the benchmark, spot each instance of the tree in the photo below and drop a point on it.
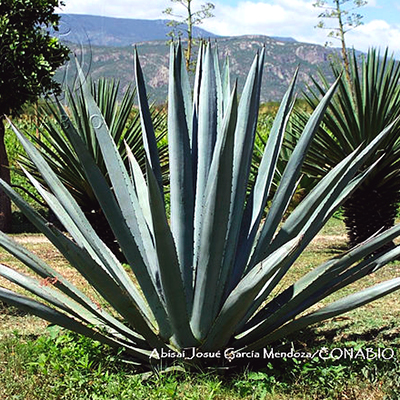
(346, 20)
(190, 19)
(29, 57)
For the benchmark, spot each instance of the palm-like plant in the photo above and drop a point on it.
(124, 126)
(355, 117)
(205, 280)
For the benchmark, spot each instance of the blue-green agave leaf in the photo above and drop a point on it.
(140, 185)
(214, 226)
(186, 89)
(206, 138)
(149, 137)
(181, 178)
(170, 273)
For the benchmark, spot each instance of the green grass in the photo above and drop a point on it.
(37, 362)
(66, 366)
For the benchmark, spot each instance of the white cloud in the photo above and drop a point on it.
(278, 18)
(372, 3)
(377, 33)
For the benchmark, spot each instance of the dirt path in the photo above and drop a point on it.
(31, 238)
(330, 238)
(38, 238)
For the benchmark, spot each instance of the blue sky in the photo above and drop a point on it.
(294, 18)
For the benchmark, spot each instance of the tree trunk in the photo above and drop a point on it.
(368, 210)
(190, 36)
(345, 57)
(5, 203)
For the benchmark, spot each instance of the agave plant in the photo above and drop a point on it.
(204, 280)
(357, 114)
(56, 148)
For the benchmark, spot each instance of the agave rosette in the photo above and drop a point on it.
(205, 272)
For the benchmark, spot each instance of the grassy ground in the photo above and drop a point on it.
(38, 362)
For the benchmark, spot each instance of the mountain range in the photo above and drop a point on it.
(104, 47)
(116, 32)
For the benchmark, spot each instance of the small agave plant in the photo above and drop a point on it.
(205, 276)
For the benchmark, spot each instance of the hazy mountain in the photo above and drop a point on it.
(107, 31)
